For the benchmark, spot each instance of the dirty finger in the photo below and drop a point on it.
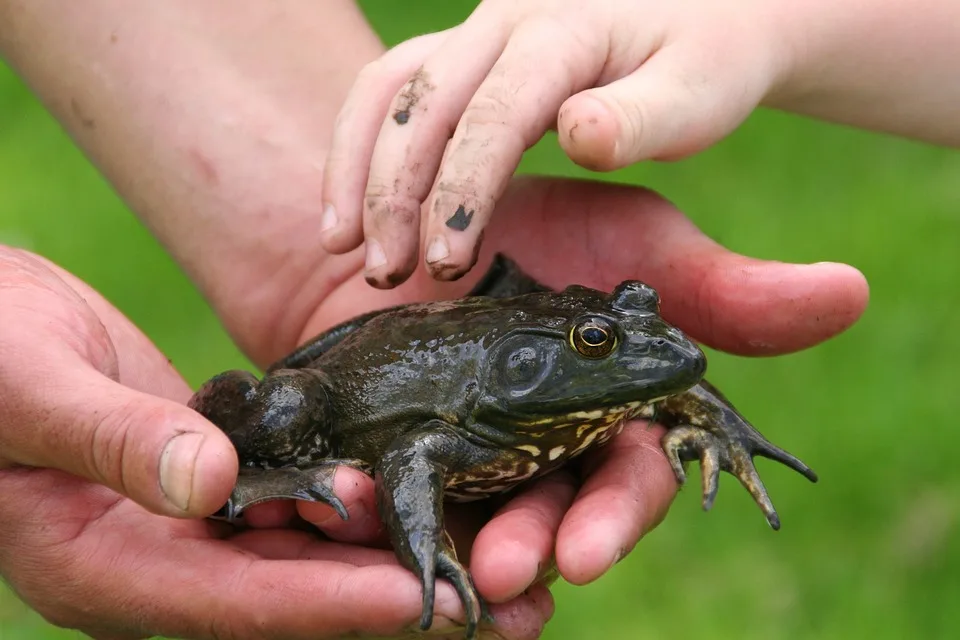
(414, 132)
(355, 134)
(512, 109)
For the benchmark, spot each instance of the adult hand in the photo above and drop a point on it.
(442, 120)
(219, 148)
(96, 444)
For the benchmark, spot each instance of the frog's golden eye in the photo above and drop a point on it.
(594, 338)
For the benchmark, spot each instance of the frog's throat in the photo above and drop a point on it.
(568, 435)
(583, 420)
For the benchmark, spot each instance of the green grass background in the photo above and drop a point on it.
(870, 552)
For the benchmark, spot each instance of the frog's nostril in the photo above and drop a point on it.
(659, 342)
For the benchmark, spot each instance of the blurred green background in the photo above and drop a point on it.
(871, 551)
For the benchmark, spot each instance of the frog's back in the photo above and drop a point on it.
(422, 361)
(436, 326)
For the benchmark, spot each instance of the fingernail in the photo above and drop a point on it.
(617, 557)
(177, 466)
(376, 258)
(438, 250)
(828, 263)
(329, 219)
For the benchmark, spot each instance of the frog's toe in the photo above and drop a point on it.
(320, 492)
(228, 512)
(733, 454)
(475, 609)
(703, 425)
(443, 563)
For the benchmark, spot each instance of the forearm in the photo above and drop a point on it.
(887, 65)
(211, 119)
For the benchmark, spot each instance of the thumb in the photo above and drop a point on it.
(62, 407)
(679, 102)
(155, 451)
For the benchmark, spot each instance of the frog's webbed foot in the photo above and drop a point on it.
(703, 425)
(410, 491)
(446, 565)
(313, 484)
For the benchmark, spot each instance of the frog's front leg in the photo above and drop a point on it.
(703, 425)
(281, 429)
(411, 479)
(313, 483)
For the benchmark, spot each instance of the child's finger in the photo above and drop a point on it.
(354, 137)
(410, 143)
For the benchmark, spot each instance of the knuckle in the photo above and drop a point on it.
(385, 206)
(108, 445)
(574, 37)
(373, 74)
(633, 116)
(456, 192)
(113, 446)
(493, 129)
(493, 108)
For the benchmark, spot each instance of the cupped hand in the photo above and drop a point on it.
(96, 451)
(443, 119)
(563, 232)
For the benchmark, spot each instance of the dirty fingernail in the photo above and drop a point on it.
(438, 250)
(329, 219)
(376, 258)
(177, 467)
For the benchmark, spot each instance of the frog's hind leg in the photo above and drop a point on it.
(313, 484)
(411, 480)
(703, 425)
(282, 431)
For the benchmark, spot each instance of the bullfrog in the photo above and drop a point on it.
(463, 399)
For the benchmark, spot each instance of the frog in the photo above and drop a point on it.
(464, 399)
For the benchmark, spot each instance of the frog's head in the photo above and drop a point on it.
(609, 354)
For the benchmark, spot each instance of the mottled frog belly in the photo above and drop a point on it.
(540, 453)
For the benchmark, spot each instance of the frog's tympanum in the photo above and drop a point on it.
(468, 398)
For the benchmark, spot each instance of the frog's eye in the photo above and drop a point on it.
(594, 338)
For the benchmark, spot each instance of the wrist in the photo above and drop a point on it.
(886, 66)
(212, 121)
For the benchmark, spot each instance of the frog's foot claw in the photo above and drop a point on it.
(703, 425)
(485, 616)
(312, 484)
(446, 565)
(731, 451)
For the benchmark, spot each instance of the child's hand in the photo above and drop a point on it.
(622, 81)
